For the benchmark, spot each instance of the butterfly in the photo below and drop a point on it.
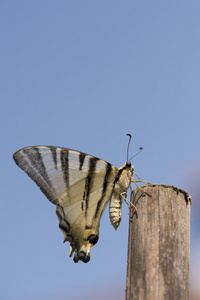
(81, 186)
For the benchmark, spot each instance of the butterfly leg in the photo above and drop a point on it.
(140, 180)
(128, 202)
(144, 181)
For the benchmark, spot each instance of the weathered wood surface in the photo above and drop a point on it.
(158, 251)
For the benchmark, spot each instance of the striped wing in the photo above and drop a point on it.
(80, 185)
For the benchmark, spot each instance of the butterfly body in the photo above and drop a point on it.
(80, 185)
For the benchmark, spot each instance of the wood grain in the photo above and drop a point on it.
(158, 250)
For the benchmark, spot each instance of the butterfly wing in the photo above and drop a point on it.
(80, 185)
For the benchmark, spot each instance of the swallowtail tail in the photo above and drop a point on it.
(80, 185)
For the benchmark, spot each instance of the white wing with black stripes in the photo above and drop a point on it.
(80, 185)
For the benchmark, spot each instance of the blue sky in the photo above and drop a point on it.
(82, 74)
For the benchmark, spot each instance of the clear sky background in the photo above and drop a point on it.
(81, 74)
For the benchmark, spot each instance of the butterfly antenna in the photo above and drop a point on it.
(128, 134)
(140, 149)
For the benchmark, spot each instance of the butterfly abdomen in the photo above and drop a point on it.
(115, 210)
(120, 186)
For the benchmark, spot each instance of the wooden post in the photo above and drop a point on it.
(158, 249)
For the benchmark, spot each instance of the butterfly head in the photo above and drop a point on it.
(129, 166)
